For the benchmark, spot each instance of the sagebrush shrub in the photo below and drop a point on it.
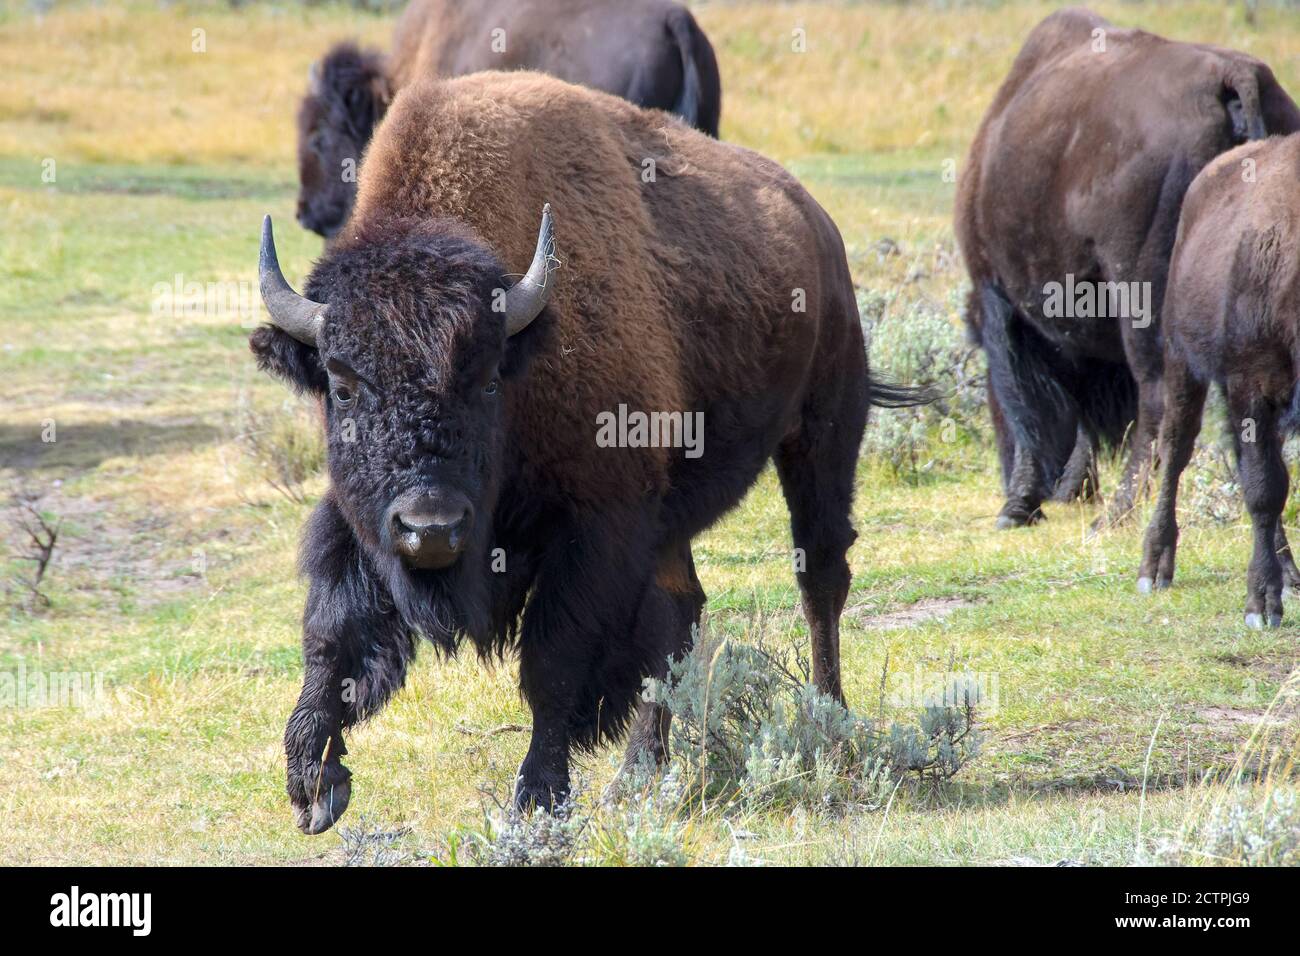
(749, 732)
(284, 446)
(1249, 830)
(640, 822)
(749, 726)
(513, 838)
(917, 340)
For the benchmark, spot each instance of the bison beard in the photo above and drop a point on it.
(675, 295)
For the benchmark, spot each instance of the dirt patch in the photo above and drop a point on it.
(99, 552)
(1236, 719)
(913, 615)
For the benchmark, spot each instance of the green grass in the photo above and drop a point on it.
(173, 577)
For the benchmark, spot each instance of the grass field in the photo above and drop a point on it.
(172, 575)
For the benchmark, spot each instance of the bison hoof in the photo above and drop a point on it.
(1146, 585)
(1259, 621)
(1018, 519)
(530, 796)
(329, 801)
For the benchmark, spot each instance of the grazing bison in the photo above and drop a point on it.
(472, 496)
(1232, 316)
(1066, 214)
(651, 52)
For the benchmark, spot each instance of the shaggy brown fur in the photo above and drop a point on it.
(696, 277)
(644, 261)
(651, 52)
(1232, 316)
(1078, 169)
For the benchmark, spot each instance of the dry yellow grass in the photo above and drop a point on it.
(124, 83)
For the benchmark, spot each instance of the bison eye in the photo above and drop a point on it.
(343, 396)
(490, 388)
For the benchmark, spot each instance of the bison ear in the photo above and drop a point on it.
(289, 360)
(367, 102)
(359, 80)
(381, 91)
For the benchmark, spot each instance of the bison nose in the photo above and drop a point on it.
(430, 531)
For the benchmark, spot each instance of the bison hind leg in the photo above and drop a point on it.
(1080, 480)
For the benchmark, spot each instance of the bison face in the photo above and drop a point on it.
(348, 95)
(327, 158)
(413, 415)
(411, 348)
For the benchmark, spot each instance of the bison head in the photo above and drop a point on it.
(410, 348)
(347, 95)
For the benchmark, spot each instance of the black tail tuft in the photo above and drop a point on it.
(887, 395)
(688, 100)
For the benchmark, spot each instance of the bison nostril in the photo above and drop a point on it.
(417, 522)
(448, 526)
(429, 529)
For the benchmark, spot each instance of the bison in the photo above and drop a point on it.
(651, 52)
(1066, 213)
(1232, 317)
(471, 499)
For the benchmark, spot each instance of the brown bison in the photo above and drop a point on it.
(1232, 317)
(1066, 214)
(475, 492)
(651, 52)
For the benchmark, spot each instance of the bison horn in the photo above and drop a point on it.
(527, 298)
(300, 317)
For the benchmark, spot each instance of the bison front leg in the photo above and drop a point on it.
(581, 659)
(668, 620)
(319, 785)
(1080, 481)
(1185, 401)
(355, 655)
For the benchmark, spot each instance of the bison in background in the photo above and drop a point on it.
(1232, 317)
(1066, 214)
(470, 499)
(650, 52)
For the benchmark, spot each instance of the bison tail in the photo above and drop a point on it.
(1242, 99)
(1026, 377)
(889, 395)
(691, 103)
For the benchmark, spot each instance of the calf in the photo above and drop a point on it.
(1232, 316)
